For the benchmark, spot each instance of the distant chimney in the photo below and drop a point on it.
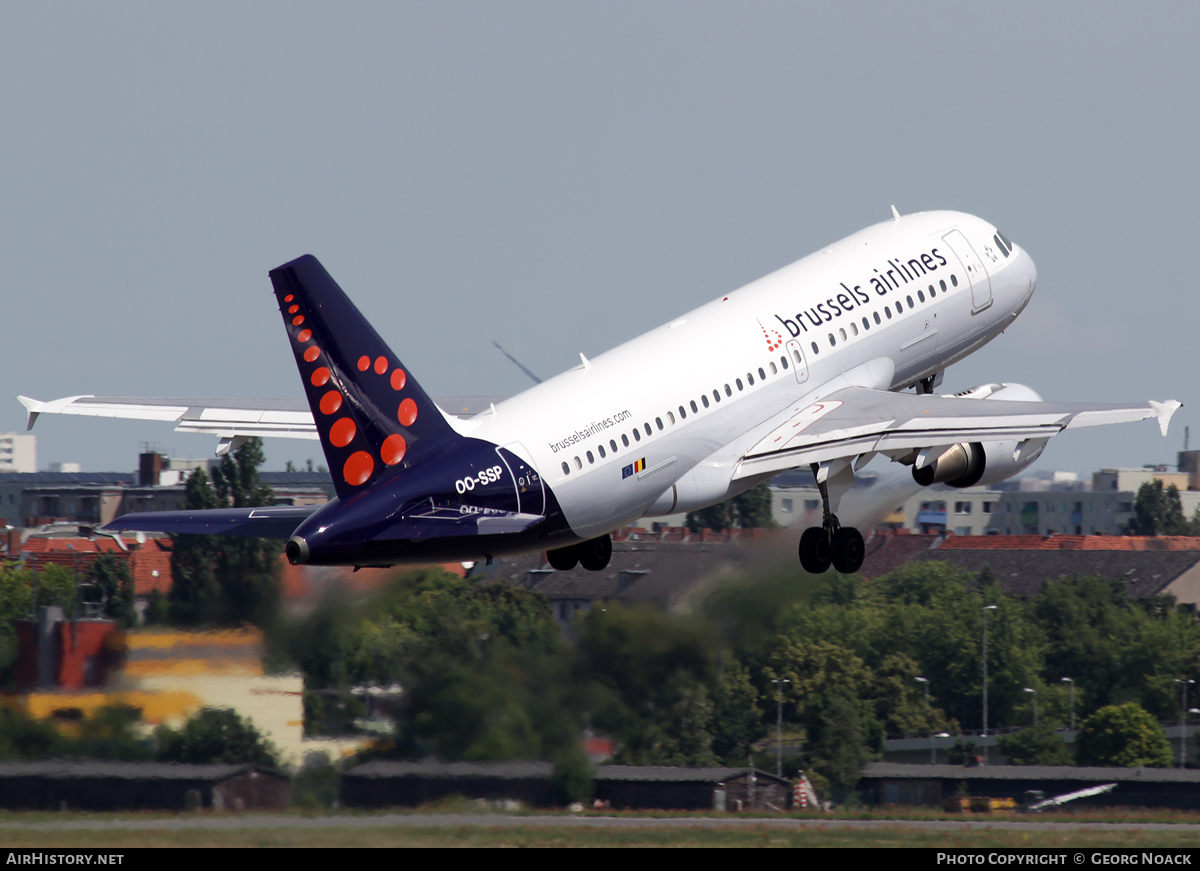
(150, 467)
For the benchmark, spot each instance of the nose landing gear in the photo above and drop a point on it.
(831, 543)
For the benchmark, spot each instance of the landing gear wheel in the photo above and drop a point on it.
(847, 550)
(595, 554)
(815, 556)
(564, 559)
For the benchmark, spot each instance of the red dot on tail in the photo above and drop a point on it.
(342, 432)
(289, 297)
(311, 354)
(407, 413)
(331, 402)
(358, 468)
(363, 362)
(381, 365)
(320, 377)
(293, 309)
(297, 320)
(393, 448)
(398, 379)
(303, 336)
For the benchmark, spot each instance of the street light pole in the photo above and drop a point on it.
(932, 752)
(779, 724)
(986, 608)
(1183, 719)
(1031, 690)
(1071, 681)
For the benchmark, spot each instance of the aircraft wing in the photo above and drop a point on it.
(856, 423)
(227, 419)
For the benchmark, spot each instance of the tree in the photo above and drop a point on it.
(111, 574)
(752, 509)
(838, 744)
(216, 735)
(1123, 735)
(1159, 512)
(225, 580)
(1037, 745)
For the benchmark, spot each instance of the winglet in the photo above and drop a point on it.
(34, 407)
(1164, 410)
(895, 215)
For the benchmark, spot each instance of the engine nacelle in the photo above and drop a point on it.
(970, 463)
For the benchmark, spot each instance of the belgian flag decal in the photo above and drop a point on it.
(632, 468)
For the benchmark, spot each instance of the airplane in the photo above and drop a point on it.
(802, 368)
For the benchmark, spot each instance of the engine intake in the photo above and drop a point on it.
(960, 465)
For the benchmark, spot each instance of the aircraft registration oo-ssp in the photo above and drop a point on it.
(800, 369)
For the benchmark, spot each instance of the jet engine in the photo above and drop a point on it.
(970, 463)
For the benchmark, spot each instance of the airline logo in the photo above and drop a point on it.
(773, 344)
(633, 467)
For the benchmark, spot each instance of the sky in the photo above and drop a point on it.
(561, 177)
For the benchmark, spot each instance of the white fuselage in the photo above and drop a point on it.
(733, 369)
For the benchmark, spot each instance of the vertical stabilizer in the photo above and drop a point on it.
(371, 414)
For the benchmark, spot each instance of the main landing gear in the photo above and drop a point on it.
(831, 543)
(592, 555)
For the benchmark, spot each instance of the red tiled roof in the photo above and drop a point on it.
(1070, 542)
(150, 562)
(886, 553)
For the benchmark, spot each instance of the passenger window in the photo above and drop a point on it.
(750, 378)
(853, 328)
(774, 371)
(704, 400)
(591, 459)
(694, 409)
(728, 392)
(942, 285)
(783, 362)
(910, 302)
(762, 374)
(842, 333)
(683, 411)
(578, 463)
(832, 340)
(876, 314)
(899, 306)
(932, 292)
(658, 420)
(612, 444)
(649, 431)
(954, 279)
(624, 440)
(600, 448)
(866, 324)
(738, 382)
(887, 311)
(566, 469)
(716, 395)
(671, 417)
(921, 295)
(816, 350)
(637, 434)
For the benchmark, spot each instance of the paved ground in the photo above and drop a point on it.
(263, 821)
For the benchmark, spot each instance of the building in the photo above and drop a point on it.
(18, 452)
(896, 783)
(110, 786)
(665, 787)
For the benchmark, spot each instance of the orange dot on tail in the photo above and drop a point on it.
(407, 413)
(320, 377)
(393, 448)
(289, 297)
(311, 354)
(358, 468)
(363, 362)
(331, 402)
(342, 432)
(398, 379)
(303, 336)
(381, 365)
(293, 309)
(297, 320)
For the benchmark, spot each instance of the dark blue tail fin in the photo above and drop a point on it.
(372, 416)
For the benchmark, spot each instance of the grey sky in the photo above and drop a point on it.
(563, 176)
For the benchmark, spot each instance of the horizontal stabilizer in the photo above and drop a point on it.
(275, 522)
